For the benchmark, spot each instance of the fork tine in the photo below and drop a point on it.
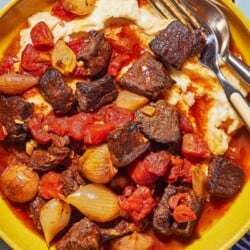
(194, 14)
(158, 9)
(168, 8)
(185, 14)
(177, 9)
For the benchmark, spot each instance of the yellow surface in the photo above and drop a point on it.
(222, 235)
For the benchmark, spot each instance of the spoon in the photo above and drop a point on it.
(218, 23)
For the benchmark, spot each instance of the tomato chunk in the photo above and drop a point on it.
(73, 126)
(115, 115)
(195, 147)
(77, 45)
(61, 13)
(147, 170)
(34, 61)
(7, 65)
(179, 170)
(38, 130)
(51, 185)
(97, 133)
(3, 133)
(184, 213)
(186, 125)
(138, 204)
(126, 48)
(41, 36)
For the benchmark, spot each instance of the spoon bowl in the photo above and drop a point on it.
(218, 23)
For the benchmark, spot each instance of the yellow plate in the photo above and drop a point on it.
(222, 234)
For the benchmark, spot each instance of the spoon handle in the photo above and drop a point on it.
(237, 100)
(239, 67)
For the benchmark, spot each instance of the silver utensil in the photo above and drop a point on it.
(188, 10)
(218, 23)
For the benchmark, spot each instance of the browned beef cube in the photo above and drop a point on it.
(14, 112)
(82, 235)
(119, 227)
(146, 77)
(93, 95)
(56, 91)
(225, 178)
(96, 54)
(35, 207)
(40, 160)
(176, 43)
(163, 221)
(47, 159)
(71, 179)
(126, 144)
(163, 125)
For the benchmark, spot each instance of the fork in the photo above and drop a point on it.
(185, 11)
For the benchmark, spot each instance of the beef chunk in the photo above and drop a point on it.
(56, 91)
(35, 208)
(71, 179)
(14, 112)
(120, 228)
(176, 43)
(83, 235)
(225, 178)
(40, 160)
(163, 125)
(146, 77)
(93, 95)
(163, 221)
(47, 159)
(126, 144)
(96, 54)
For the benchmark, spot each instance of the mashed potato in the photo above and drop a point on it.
(196, 92)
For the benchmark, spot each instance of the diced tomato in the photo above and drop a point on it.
(34, 61)
(37, 129)
(51, 185)
(115, 115)
(138, 204)
(77, 45)
(126, 48)
(147, 170)
(139, 174)
(186, 125)
(142, 2)
(73, 126)
(41, 36)
(78, 124)
(117, 62)
(7, 65)
(195, 147)
(61, 13)
(3, 133)
(176, 199)
(97, 133)
(58, 125)
(184, 213)
(79, 71)
(179, 170)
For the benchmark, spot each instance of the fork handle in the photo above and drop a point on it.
(235, 97)
(240, 104)
(239, 67)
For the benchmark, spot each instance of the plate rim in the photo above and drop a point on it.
(38, 242)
